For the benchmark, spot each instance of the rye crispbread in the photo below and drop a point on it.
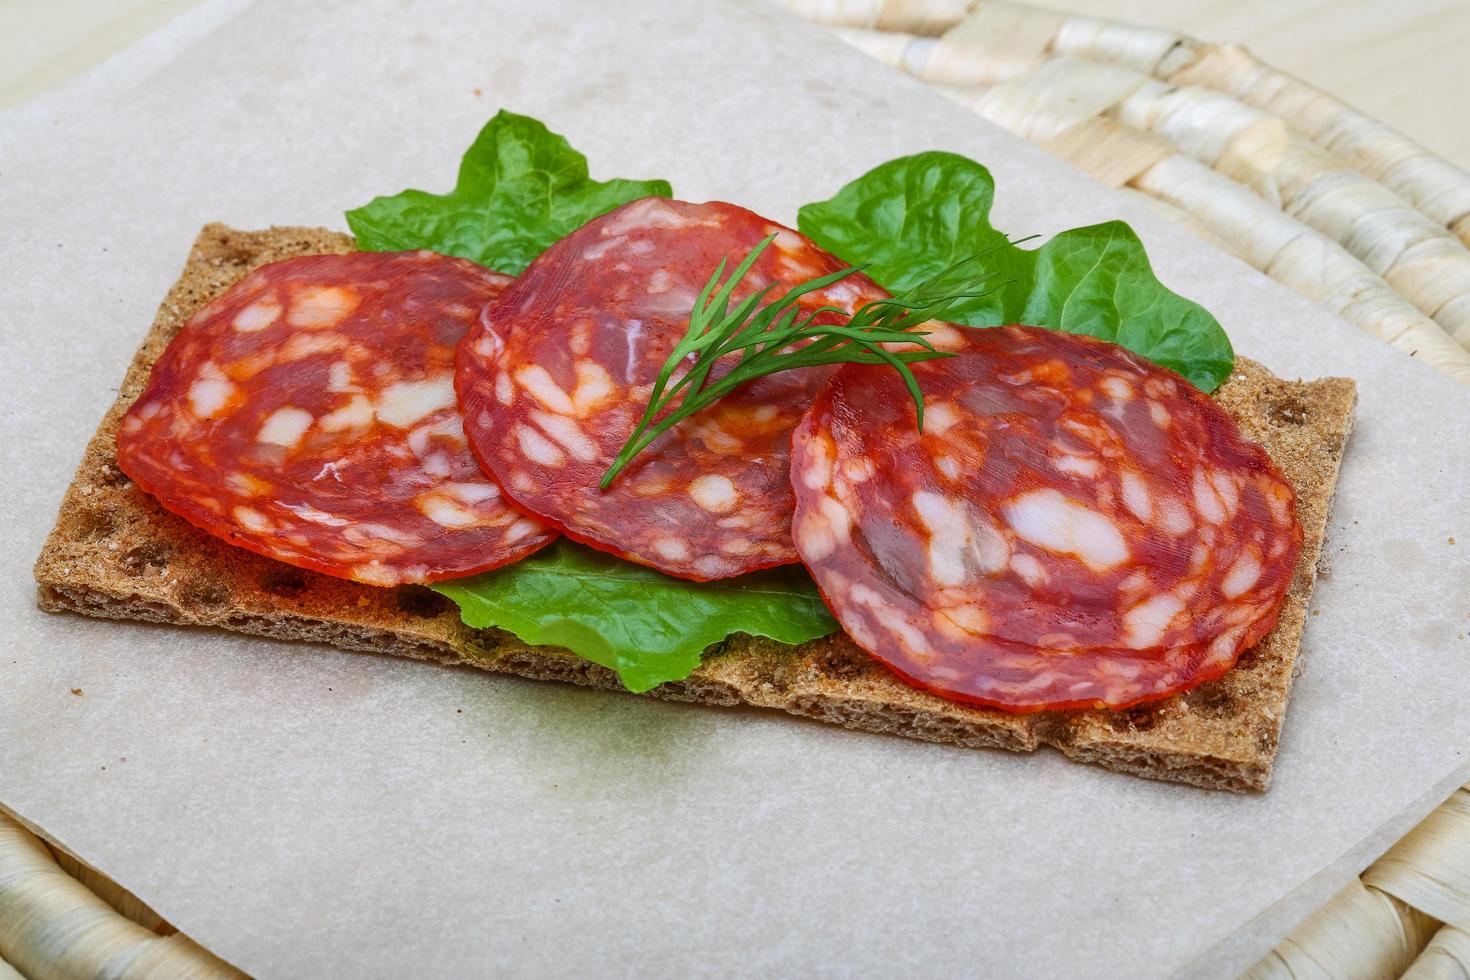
(114, 553)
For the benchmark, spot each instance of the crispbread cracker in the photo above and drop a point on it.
(115, 553)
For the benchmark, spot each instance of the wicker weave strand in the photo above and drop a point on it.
(1434, 186)
(124, 902)
(1059, 105)
(1430, 867)
(1335, 205)
(1322, 198)
(52, 926)
(1447, 957)
(911, 16)
(1360, 933)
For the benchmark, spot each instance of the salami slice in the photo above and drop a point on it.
(555, 378)
(308, 414)
(1075, 527)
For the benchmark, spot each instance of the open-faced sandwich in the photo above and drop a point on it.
(889, 470)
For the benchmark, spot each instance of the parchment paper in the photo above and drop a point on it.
(305, 812)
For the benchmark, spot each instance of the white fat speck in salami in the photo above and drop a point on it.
(308, 414)
(580, 337)
(1053, 539)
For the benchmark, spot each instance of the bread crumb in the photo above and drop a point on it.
(76, 692)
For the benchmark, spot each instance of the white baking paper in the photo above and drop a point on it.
(305, 812)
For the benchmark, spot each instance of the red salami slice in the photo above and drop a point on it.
(554, 381)
(308, 414)
(1075, 527)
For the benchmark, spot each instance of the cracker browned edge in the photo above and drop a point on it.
(115, 554)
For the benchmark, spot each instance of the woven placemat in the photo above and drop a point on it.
(61, 919)
(1320, 197)
(1332, 203)
(1335, 204)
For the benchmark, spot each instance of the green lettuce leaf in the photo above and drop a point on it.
(646, 626)
(912, 218)
(520, 188)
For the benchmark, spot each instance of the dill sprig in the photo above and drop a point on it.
(777, 336)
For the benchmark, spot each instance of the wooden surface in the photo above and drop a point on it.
(1402, 61)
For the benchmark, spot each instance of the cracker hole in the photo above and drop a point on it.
(1288, 411)
(204, 593)
(108, 475)
(1210, 699)
(285, 582)
(95, 523)
(841, 663)
(151, 557)
(1249, 660)
(234, 249)
(1139, 719)
(415, 600)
